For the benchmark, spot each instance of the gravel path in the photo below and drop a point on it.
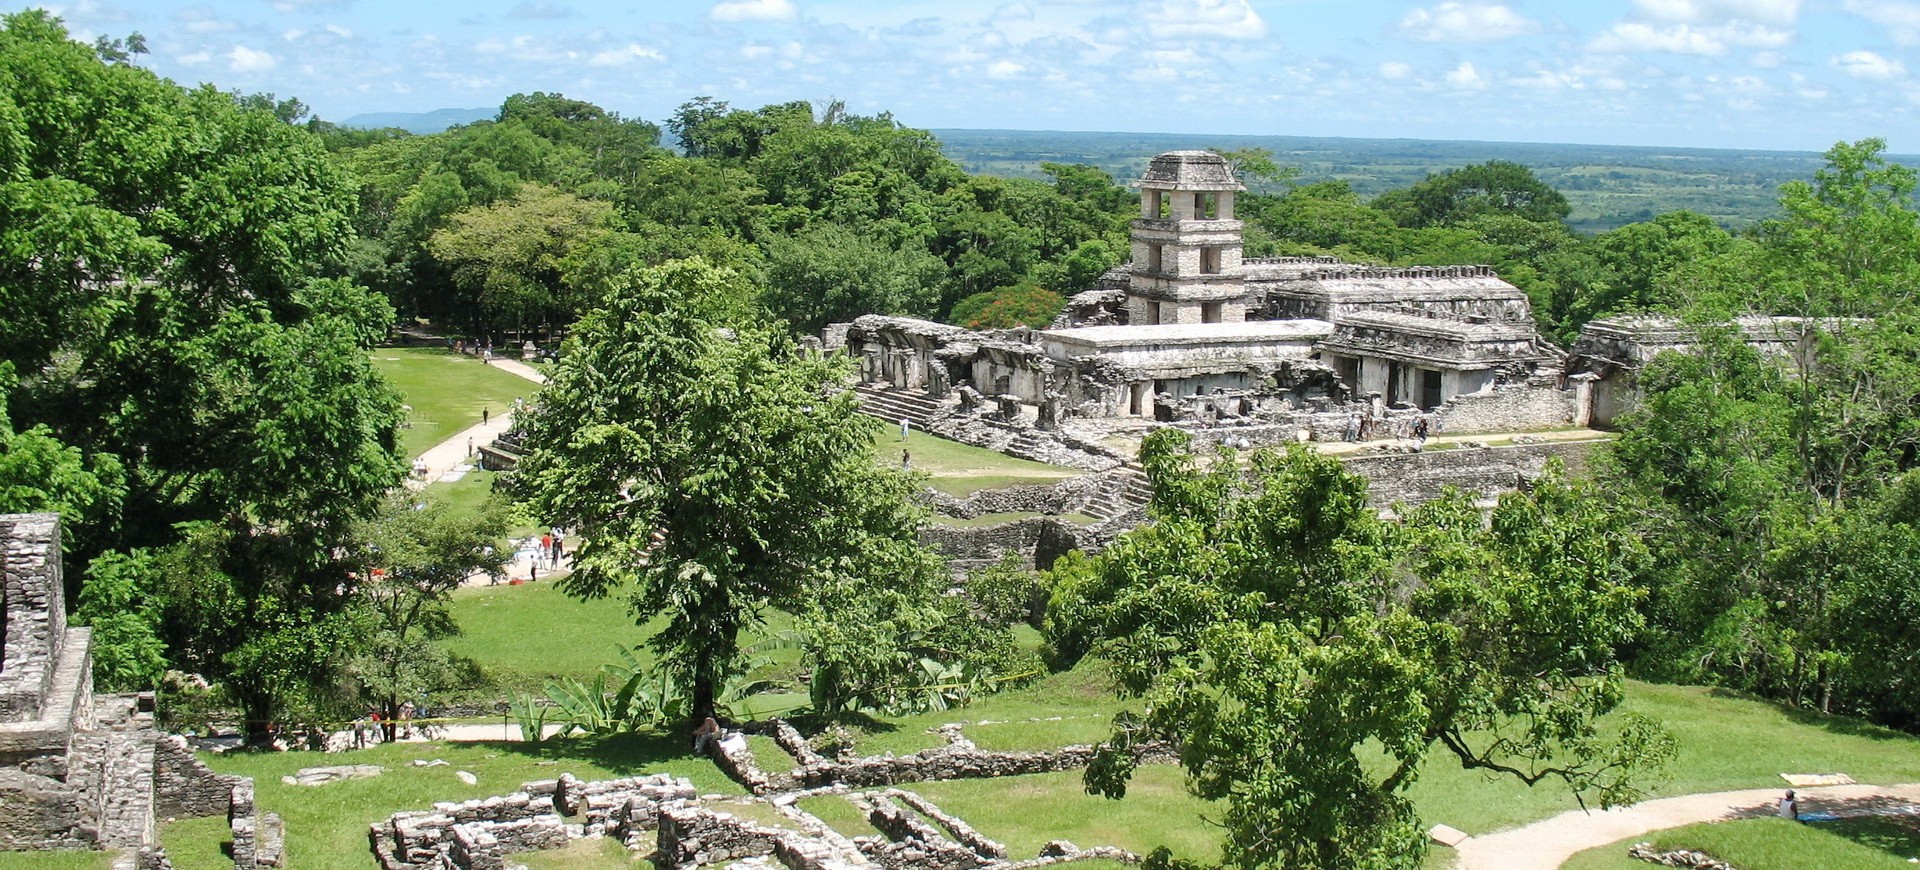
(1547, 844)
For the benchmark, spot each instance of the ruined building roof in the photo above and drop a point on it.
(1190, 170)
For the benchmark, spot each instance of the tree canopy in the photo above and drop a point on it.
(1308, 657)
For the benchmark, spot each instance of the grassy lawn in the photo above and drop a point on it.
(1725, 742)
(524, 636)
(327, 825)
(466, 495)
(62, 860)
(1776, 844)
(960, 469)
(446, 390)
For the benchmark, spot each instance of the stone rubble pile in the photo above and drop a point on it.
(1677, 858)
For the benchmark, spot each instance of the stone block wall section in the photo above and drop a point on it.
(1418, 477)
(183, 786)
(450, 835)
(36, 613)
(1507, 408)
(959, 759)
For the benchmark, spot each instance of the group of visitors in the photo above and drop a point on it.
(550, 552)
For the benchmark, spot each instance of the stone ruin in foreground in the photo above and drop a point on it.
(684, 830)
(86, 771)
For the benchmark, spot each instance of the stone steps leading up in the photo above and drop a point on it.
(893, 404)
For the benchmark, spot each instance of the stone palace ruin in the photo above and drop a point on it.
(1247, 351)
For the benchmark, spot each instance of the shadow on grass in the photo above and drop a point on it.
(1837, 724)
(625, 754)
(1896, 835)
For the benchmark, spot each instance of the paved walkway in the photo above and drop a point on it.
(452, 453)
(1548, 844)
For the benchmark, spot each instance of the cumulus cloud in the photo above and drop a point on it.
(1705, 41)
(1467, 22)
(755, 10)
(246, 60)
(1901, 18)
(1706, 28)
(1004, 69)
(1395, 69)
(1465, 77)
(1869, 65)
(625, 54)
(1204, 19)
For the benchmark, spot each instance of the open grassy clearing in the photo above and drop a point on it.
(447, 391)
(961, 469)
(1775, 844)
(524, 636)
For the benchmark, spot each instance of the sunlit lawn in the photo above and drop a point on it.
(1776, 844)
(959, 469)
(446, 390)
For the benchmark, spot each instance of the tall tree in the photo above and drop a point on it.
(713, 473)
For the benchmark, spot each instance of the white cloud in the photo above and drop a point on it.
(1395, 69)
(754, 10)
(1720, 11)
(1004, 69)
(1901, 18)
(1467, 22)
(1465, 77)
(195, 59)
(625, 55)
(1868, 65)
(1705, 41)
(245, 60)
(1204, 19)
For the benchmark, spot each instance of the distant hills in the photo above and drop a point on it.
(421, 122)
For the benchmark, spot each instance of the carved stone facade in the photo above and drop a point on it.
(80, 770)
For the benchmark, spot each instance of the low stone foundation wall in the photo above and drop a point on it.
(183, 786)
(474, 834)
(951, 762)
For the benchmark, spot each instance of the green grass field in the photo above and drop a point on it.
(1776, 844)
(524, 636)
(961, 469)
(61, 860)
(446, 390)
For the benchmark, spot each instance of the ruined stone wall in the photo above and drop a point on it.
(1487, 471)
(1507, 408)
(36, 613)
(958, 762)
(183, 786)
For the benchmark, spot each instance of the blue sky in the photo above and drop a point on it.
(1794, 74)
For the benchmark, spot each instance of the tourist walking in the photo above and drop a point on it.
(1420, 431)
(906, 426)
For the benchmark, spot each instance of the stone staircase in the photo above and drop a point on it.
(892, 404)
(1113, 502)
